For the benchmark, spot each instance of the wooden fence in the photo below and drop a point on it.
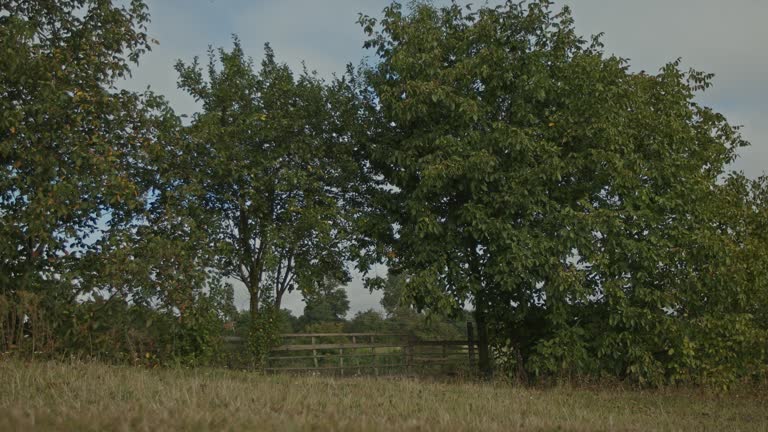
(370, 353)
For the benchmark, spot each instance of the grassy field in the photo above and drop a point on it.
(94, 397)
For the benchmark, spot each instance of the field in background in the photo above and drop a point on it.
(94, 397)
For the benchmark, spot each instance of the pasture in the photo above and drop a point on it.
(96, 397)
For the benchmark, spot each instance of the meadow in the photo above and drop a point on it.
(96, 397)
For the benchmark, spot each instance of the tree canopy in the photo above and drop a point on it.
(272, 166)
(327, 304)
(572, 201)
(494, 159)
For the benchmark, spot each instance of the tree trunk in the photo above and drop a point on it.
(521, 374)
(278, 299)
(254, 305)
(484, 358)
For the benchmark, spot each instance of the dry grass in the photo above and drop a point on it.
(57, 396)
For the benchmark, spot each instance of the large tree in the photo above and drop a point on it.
(569, 199)
(90, 241)
(273, 164)
(72, 145)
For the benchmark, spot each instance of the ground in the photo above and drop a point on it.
(96, 397)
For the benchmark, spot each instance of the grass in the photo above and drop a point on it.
(96, 397)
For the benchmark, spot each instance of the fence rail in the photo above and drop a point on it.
(375, 353)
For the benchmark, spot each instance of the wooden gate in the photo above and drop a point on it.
(370, 353)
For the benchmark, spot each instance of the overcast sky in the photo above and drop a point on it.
(728, 38)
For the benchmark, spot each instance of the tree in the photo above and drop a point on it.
(92, 243)
(272, 166)
(71, 144)
(392, 294)
(286, 322)
(370, 321)
(570, 200)
(329, 303)
(403, 318)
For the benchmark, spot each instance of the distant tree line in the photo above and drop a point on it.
(327, 311)
(494, 160)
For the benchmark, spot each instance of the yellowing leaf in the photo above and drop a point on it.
(551, 124)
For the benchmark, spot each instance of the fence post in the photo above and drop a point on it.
(314, 352)
(355, 352)
(444, 367)
(471, 345)
(413, 342)
(407, 355)
(375, 362)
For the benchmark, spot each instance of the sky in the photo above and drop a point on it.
(727, 38)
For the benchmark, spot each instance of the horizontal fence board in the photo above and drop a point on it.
(332, 356)
(238, 339)
(438, 354)
(415, 342)
(440, 343)
(309, 347)
(300, 335)
(343, 352)
(434, 349)
(335, 368)
(433, 360)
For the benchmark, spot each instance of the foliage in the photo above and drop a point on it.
(287, 323)
(326, 327)
(263, 334)
(370, 321)
(23, 326)
(392, 293)
(493, 156)
(81, 229)
(272, 167)
(329, 303)
(67, 142)
(574, 203)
